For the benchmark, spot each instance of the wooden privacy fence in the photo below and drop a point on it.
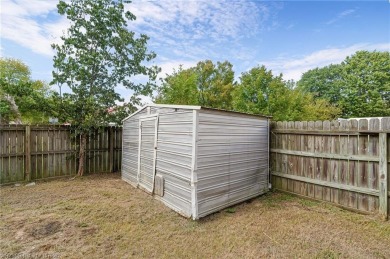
(344, 162)
(39, 152)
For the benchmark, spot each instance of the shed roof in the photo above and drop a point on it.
(191, 107)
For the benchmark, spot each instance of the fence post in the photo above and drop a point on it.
(27, 150)
(383, 182)
(111, 148)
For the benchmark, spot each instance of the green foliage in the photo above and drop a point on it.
(260, 92)
(97, 54)
(6, 114)
(366, 84)
(21, 98)
(207, 84)
(231, 210)
(360, 85)
(312, 109)
(179, 88)
(14, 71)
(215, 84)
(323, 82)
(119, 112)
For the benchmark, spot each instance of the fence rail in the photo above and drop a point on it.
(344, 162)
(39, 152)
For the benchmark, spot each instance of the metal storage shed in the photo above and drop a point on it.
(196, 160)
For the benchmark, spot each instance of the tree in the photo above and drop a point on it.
(179, 88)
(119, 112)
(305, 107)
(207, 84)
(324, 83)
(97, 54)
(258, 91)
(215, 84)
(366, 84)
(22, 100)
(261, 92)
(360, 85)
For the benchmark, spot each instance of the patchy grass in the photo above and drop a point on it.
(230, 210)
(100, 216)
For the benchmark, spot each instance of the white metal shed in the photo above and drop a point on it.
(196, 160)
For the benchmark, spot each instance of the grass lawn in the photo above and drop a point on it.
(100, 216)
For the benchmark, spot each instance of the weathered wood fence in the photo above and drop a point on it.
(30, 153)
(344, 162)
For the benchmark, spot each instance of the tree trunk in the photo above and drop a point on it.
(83, 144)
(14, 108)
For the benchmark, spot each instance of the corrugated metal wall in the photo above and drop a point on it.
(174, 154)
(146, 159)
(232, 159)
(130, 148)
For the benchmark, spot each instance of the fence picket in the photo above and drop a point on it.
(326, 174)
(335, 168)
(39, 152)
(337, 161)
(353, 168)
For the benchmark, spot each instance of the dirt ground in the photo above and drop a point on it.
(100, 216)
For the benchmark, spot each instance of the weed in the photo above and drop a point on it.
(230, 210)
(327, 254)
(82, 225)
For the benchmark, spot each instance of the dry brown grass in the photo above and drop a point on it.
(101, 216)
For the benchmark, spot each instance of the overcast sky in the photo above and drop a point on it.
(288, 37)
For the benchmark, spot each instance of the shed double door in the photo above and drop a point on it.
(147, 152)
